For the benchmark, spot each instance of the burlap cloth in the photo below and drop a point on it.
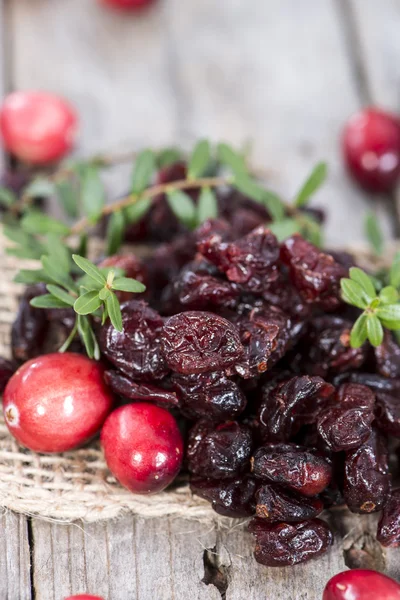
(73, 485)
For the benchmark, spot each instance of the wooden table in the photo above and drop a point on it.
(284, 75)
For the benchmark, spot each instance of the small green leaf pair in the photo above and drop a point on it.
(188, 212)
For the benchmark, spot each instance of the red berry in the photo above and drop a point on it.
(127, 4)
(84, 597)
(361, 584)
(143, 447)
(371, 147)
(56, 402)
(37, 127)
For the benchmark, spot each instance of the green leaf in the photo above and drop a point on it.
(374, 330)
(59, 251)
(24, 252)
(48, 301)
(232, 159)
(30, 246)
(7, 197)
(114, 311)
(136, 211)
(83, 244)
(311, 230)
(374, 233)
(38, 222)
(284, 228)
(90, 269)
(364, 280)
(249, 187)
(145, 166)
(389, 312)
(389, 295)
(68, 198)
(312, 184)
(88, 338)
(125, 284)
(168, 156)
(183, 207)
(61, 294)
(353, 293)
(274, 205)
(207, 207)
(92, 193)
(40, 188)
(29, 277)
(52, 270)
(104, 293)
(115, 232)
(199, 159)
(87, 303)
(359, 332)
(395, 271)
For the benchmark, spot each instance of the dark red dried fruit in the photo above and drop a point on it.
(346, 424)
(315, 274)
(293, 467)
(387, 357)
(230, 497)
(389, 524)
(387, 412)
(220, 452)
(284, 544)
(209, 396)
(136, 350)
(197, 342)
(144, 392)
(250, 261)
(29, 328)
(7, 369)
(275, 504)
(291, 404)
(367, 479)
(284, 295)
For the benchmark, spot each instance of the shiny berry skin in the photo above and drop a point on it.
(56, 402)
(37, 127)
(371, 148)
(127, 4)
(84, 597)
(143, 447)
(361, 584)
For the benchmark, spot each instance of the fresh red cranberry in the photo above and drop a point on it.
(127, 4)
(143, 447)
(361, 584)
(371, 147)
(84, 597)
(56, 402)
(37, 127)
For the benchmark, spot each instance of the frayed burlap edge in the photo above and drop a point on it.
(76, 485)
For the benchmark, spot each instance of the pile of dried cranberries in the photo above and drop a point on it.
(236, 361)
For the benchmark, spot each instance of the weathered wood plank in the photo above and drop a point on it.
(14, 558)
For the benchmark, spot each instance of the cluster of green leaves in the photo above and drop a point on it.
(381, 307)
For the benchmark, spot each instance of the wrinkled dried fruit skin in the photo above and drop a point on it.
(197, 342)
(274, 504)
(145, 392)
(326, 348)
(377, 383)
(250, 261)
(211, 396)
(316, 275)
(284, 295)
(387, 357)
(230, 497)
(346, 423)
(389, 524)
(219, 452)
(284, 544)
(136, 350)
(367, 479)
(291, 404)
(265, 335)
(134, 268)
(292, 467)
(7, 369)
(199, 286)
(29, 328)
(387, 412)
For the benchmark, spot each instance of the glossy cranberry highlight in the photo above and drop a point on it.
(361, 584)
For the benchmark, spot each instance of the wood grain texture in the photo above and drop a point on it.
(14, 558)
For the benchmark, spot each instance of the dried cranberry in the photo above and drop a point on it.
(123, 386)
(29, 328)
(276, 504)
(136, 350)
(316, 275)
(251, 261)
(367, 479)
(389, 524)
(284, 295)
(387, 413)
(346, 424)
(220, 452)
(209, 396)
(284, 544)
(387, 357)
(377, 383)
(230, 497)
(197, 342)
(291, 404)
(293, 467)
